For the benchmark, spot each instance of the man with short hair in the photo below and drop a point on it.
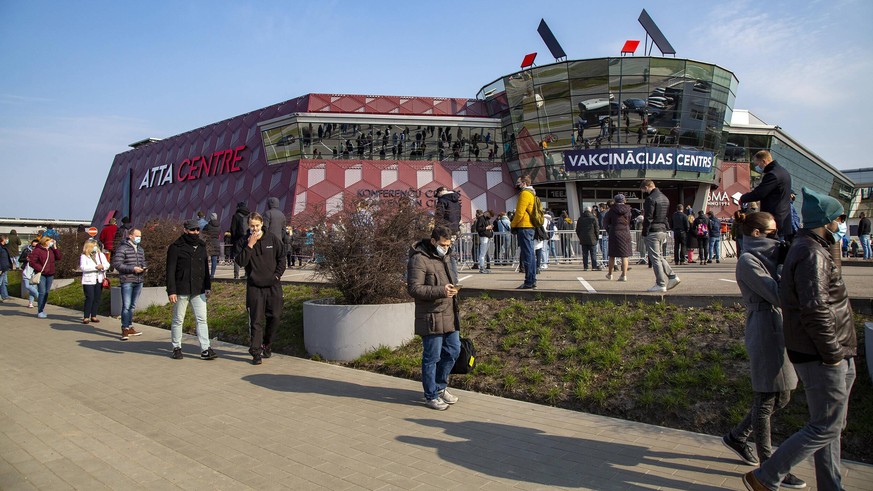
(864, 234)
(773, 192)
(263, 257)
(820, 341)
(655, 210)
(524, 230)
(714, 238)
(130, 262)
(189, 282)
(680, 228)
(432, 280)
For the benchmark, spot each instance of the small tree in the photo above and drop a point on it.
(157, 235)
(363, 247)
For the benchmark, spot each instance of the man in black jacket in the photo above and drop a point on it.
(448, 209)
(188, 281)
(774, 192)
(238, 227)
(655, 210)
(263, 257)
(680, 226)
(820, 341)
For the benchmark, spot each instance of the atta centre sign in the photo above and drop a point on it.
(219, 162)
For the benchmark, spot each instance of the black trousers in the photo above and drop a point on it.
(264, 305)
(679, 239)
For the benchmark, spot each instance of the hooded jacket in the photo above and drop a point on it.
(209, 235)
(239, 225)
(274, 219)
(587, 229)
(448, 211)
(427, 276)
(188, 266)
(264, 262)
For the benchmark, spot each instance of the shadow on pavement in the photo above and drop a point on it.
(297, 383)
(530, 455)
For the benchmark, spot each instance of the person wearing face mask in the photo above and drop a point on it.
(42, 260)
(431, 281)
(773, 376)
(820, 341)
(130, 262)
(774, 192)
(23, 261)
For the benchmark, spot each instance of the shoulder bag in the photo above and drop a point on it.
(37, 275)
(466, 359)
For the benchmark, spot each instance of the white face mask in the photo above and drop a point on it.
(442, 251)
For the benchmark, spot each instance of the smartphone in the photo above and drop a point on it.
(458, 287)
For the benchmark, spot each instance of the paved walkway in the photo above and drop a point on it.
(81, 409)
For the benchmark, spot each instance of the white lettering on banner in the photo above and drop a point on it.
(602, 159)
(719, 198)
(158, 175)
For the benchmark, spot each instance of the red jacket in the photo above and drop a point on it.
(107, 236)
(41, 260)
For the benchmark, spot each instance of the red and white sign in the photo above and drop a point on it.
(92, 231)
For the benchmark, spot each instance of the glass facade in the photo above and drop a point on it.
(610, 103)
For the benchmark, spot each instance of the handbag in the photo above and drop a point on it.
(27, 272)
(105, 282)
(36, 276)
(466, 360)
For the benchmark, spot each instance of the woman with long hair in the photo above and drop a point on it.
(93, 264)
(22, 260)
(42, 260)
(773, 376)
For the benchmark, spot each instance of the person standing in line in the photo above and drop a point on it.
(617, 224)
(107, 238)
(238, 227)
(795, 217)
(565, 223)
(680, 227)
(94, 265)
(121, 233)
(820, 341)
(263, 257)
(448, 209)
(274, 219)
(586, 231)
(774, 192)
(13, 245)
(5, 266)
(737, 230)
(714, 238)
(288, 244)
(22, 262)
(432, 281)
(655, 210)
(524, 230)
(189, 282)
(773, 376)
(209, 234)
(485, 230)
(130, 262)
(700, 227)
(864, 234)
(42, 260)
(604, 234)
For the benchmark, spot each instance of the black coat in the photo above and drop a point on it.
(187, 267)
(617, 222)
(864, 226)
(655, 211)
(239, 225)
(587, 230)
(480, 225)
(774, 193)
(448, 211)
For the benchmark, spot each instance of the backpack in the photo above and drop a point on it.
(537, 218)
(702, 229)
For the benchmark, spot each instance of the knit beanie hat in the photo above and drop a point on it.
(819, 209)
(619, 198)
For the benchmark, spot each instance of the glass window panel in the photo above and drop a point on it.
(549, 73)
(629, 66)
(667, 67)
(588, 68)
(699, 71)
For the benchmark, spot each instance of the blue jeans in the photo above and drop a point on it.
(45, 284)
(198, 305)
(437, 359)
(827, 397)
(129, 293)
(527, 257)
(214, 260)
(604, 246)
(654, 243)
(715, 247)
(31, 289)
(865, 245)
(4, 281)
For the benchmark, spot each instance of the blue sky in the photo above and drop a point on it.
(82, 80)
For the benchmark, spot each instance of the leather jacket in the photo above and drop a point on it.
(817, 316)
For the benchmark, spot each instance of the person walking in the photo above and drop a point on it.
(130, 262)
(263, 258)
(42, 260)
(189, 282)
(655, 210)
(524, 230)
(485, 230)
(820, 340)
(5, 266)
(714, 238)
(774, 192)
(773, 376)
(23, 262)
(864, 234)
(617, 224)
(679, 224)
(94, 266)
(587, 231)
(432, 282)
(238, 227)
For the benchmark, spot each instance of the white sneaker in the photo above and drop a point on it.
(447, 397)
(672, 282)
(608, 276)
(657, 288)
(545, 266)
(437, 404)
(622, 278)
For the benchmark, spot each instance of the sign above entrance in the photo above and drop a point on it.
(674, 159)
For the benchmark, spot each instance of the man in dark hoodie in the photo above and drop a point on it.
(238, 229)
(263, 257)
(188, 281)
(432, 280)
(274, 219)
(448, 209)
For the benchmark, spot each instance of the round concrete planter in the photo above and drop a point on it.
(150, 295)
(345, 332)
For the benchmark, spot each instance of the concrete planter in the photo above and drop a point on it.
(345, 332)
(57, 283)
(150, 295)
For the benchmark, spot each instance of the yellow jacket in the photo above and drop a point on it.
(523, 209)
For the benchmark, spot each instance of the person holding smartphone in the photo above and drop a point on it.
(130, 262)
(263, 257)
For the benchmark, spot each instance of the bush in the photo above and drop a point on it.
(70, 244)
(363, 247)
(157, 235)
